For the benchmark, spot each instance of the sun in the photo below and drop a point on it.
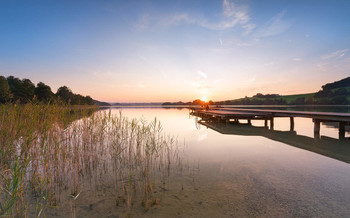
(204, 98)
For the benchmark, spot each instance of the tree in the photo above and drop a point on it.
(65, 94)
(28, 89)
(341, 91)
(198, 102)
(4, 90)
(340, 100)
(298, 101)
(89, 100)
(22, 90)
(43, 92)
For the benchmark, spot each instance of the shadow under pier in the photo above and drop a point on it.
(326, 146)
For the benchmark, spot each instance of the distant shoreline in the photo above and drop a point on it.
(214, 106)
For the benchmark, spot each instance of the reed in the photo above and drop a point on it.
(48, 150)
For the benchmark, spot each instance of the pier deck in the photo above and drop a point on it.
(236, 114)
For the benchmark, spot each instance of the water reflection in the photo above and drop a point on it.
(330, 147)
(248, 174)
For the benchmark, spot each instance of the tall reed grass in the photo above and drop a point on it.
(47, 150)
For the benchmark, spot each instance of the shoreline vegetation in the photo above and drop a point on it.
(15, 90)
(49, 152)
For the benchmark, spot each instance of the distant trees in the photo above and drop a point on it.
(22, 90)
(5, 93)
(198, 102)
(338, 84)
(259, 95)
(65, 94)
(12, 89)
(43, 93)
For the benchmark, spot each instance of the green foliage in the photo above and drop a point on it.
(43, 93)
(64, 94)
(67, 96)
(4, 90)
(24, 91)
(338, 84)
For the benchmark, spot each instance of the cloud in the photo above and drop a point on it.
(336, 54)
(202, 74)
(276, 25)
(232, 15)
(205, 86)
(297, 59)
(176, 20)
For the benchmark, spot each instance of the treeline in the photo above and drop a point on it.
(194, 102)
(15, 90)
(334, 93)
(282, 100)
(254, 101)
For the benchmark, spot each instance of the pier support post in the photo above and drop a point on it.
(271, 123)
(341, 130)
(317, 125)
(236, 121)
(265, 123)
(291, 124)
(250, 122)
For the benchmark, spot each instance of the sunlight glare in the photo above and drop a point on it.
(204, 98)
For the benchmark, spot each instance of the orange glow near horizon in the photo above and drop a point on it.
(204, 98)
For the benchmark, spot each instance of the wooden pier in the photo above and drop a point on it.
(227, 115)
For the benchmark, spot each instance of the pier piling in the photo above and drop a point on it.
(341, 130)
(291, 124)
(317, 125)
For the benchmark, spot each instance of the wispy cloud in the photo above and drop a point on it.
(176, 19)
(297, 59)
(204, 85)
(232, 15)
(202, 74)
(336, 54)
(276, 25)
(337, 62)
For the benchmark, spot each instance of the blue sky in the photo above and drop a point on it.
(141, 51)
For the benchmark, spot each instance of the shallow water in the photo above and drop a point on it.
(245, 172)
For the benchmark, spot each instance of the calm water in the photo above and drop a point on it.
(245, 172)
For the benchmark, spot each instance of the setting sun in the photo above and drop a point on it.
(204, 98)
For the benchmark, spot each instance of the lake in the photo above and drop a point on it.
(248, 171)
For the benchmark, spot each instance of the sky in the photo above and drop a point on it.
(179, 50)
